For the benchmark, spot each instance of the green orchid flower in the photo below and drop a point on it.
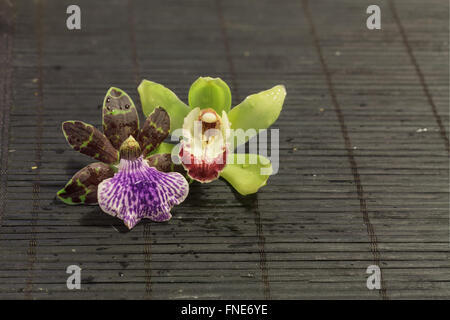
(204, 156)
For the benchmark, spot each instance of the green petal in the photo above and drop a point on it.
(155, 95)
(162, 148)
(257, 111)
(208, 92)
(247, 178)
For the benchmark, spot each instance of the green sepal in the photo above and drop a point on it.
(155, 95)
(247, 178)
(207, 92)
(257, 111)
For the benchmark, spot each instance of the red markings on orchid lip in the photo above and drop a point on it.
(201, 169)
(204, 148)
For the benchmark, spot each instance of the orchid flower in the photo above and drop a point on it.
(128, 182)
(207, 156)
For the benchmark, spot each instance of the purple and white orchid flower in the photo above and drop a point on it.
(128, 183)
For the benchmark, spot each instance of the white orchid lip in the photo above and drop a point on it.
(204, 149)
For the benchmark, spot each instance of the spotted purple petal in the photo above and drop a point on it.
(120, 118)
(155, 130)
(87, 139)
(138, 191)
(82, 188)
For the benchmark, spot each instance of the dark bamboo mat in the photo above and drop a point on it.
(364, 167)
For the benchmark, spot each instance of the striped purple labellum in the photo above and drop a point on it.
(124, 184)
(139, 191)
